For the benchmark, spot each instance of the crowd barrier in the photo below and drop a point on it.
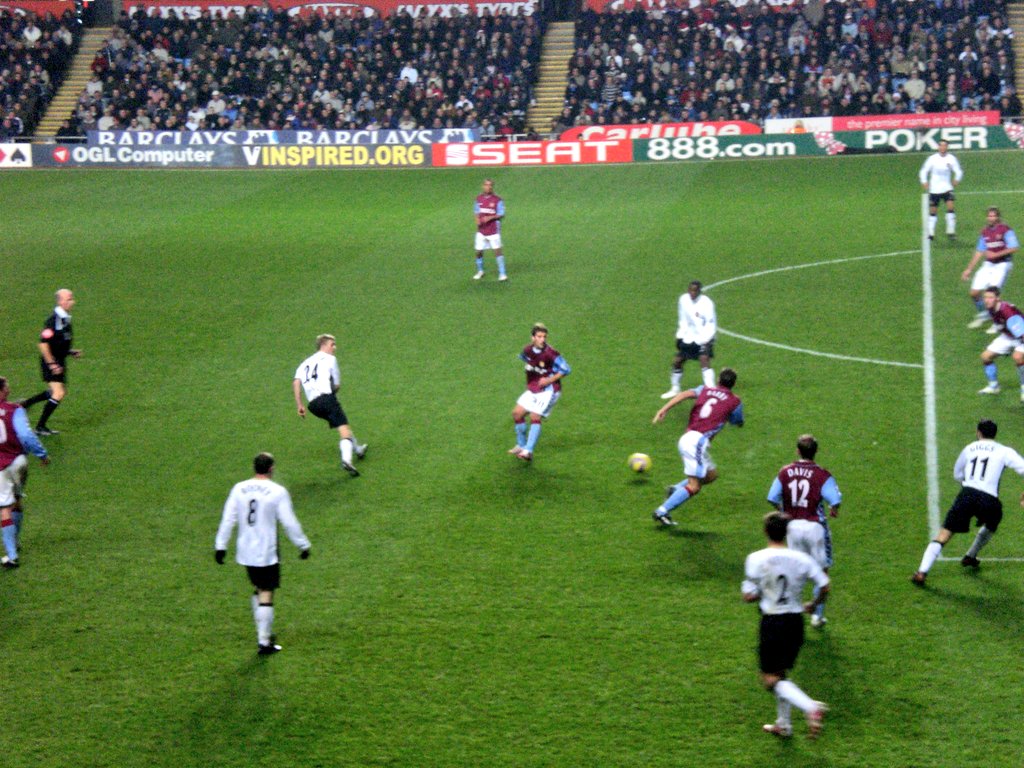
(315, 149)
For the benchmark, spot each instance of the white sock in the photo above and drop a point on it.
(931, 554)
(264, 623)
(950, 223)
(931, 224)
(346, 450)
(983, 538)
(782, 709)
(676, 378)
(787, 690)
(255, 604)
(709, 376)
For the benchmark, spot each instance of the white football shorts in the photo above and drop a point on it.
(483, 242)
(539, 403)
(810, 537)
(991, 274)
(12, 480)
(1004, 345)
(693, 450)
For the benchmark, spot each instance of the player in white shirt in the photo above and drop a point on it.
(318, 375)
(695, 337)
(940, 173)
(257, 506)
(775, 579)
(978, 468)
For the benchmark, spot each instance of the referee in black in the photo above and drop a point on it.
(54, 349)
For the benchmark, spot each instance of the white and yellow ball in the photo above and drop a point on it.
(639, 462)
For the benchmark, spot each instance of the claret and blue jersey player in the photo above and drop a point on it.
(715, 407)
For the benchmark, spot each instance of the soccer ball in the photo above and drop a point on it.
(639, 462)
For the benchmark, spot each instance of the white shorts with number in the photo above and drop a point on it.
(991, 274)
(539, 403)
(1004, 345)
(12, 480)
(483, 242)
(693, 450)
(812, 538)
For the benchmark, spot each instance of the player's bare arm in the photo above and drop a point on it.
(297, 391)
(822, 594)
(51, 361)
(687, 394)
(966, 275)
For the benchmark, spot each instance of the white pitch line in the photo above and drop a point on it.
(816, 353)
(802, 350)
(931, 449)
(993, 192)
(986, 560)
(792, 267)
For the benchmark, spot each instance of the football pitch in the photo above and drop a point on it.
(462, 608)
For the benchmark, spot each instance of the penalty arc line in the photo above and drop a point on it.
(931, 445)
(993, 192)
(815, 353)
(801, 350)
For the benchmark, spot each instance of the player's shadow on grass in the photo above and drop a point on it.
(699, 555)
(682, 532)
(240, 693)
(1001, 604)
(822, 669)
(325, 489)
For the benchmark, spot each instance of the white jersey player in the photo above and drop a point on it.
(939, 175)
(319, 374)
(319, 377)
(695, 337)
(775, 579)
(256, 506)
(978, 468)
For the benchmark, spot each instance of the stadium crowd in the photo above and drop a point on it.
(266, 69)
(34, 57)
(752, 62)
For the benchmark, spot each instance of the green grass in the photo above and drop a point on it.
(461, 608)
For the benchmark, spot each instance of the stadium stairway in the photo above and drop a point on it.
(549, 93)
(1015, 12)
(65, 100)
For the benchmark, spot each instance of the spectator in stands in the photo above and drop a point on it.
(1010, 106)
(31, 33)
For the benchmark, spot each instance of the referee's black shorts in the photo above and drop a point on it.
(328, 408)
(782, 635)
(970, 503)
(49, 375)
(265, 577)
